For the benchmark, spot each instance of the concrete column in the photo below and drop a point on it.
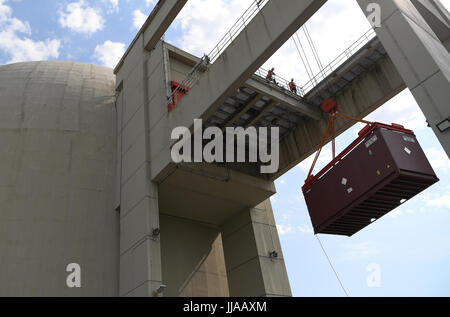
(140, 253)
(420, 57)
(437, 17)
(192, 259)
(248, 240)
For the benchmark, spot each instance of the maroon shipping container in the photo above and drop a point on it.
(383, 168)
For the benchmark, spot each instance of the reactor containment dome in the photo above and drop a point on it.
(57, 166)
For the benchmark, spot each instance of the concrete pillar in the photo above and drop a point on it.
(437, 17)
(140, 252)
(248, 240)
(420, 57)
(193, 264)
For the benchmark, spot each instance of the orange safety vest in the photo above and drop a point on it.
(292, 86)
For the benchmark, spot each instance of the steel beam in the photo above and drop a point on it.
(156, 25)
(266, 109)
(250, 104)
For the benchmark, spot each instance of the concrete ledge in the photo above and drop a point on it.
(296, 104)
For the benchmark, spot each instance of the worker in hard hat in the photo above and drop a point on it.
(293, 86)
(271, 76)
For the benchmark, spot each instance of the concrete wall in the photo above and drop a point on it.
(248, 240)
(57, 136)
(193, 263)
(185, 202)
(178, 70)
(141, 105)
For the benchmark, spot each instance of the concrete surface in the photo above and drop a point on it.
(57, 136)
(261, 38)
(419, 54)
(154, 190)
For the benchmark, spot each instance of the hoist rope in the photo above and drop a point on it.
(304, 61)
(313, 48)
(331, 126)
(317, 59)
(332, 267)
(322, 143)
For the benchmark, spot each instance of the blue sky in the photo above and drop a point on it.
(411, 246)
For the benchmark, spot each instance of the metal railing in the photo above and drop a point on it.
(247, 16)
(278, 81)
(194, 75)
(326, 71)
(236, 29)
(338, 61)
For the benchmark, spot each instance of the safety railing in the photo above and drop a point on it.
(236, 29)
(338, 61)
(221, 46)
(324, 73)
(278, 81)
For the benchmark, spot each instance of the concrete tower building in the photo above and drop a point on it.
(63, 182)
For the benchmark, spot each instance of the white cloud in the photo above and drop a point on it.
(438, 159)
(400, 211)
(5, 11)
(79, 17)
(324, 158)
(442, 201)
(109, 53)
(305, 229)
(204, 22)
(396, 213)
(15, 39)
(150, 2)
(113, 5)
(356, 251)
(284, 229)
(402, 109)
(139, 19)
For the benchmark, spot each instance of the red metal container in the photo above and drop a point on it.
(383, 168)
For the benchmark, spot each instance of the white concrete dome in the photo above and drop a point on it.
(57, 166)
